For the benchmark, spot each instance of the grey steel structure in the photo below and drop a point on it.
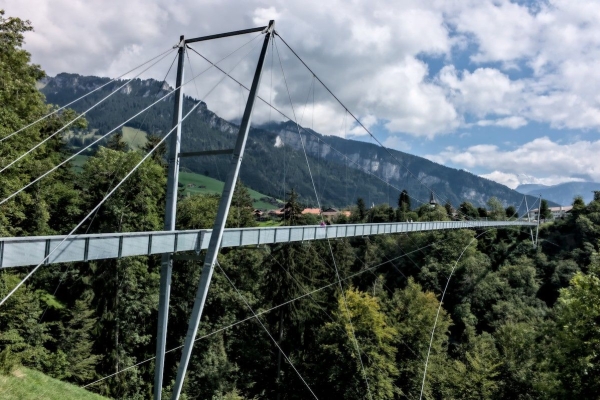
(24, 251)
(171, 207)
(224, 203)
(170, 217)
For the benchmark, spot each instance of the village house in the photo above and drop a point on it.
(328, 214)
(312, 211)
(557, 212)
(276, 213)
(331, 213)
(260, 215)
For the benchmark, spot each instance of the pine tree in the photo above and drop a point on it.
(449, 209)
(293, 209)
(362, 209)
(467, 210)
(241, 213)
(404, 201)
(404, 208)
(511, 212)
(23, 339)
(115, 142)
(160, 153)
(77, 342)
(545, 212)
(125, 290)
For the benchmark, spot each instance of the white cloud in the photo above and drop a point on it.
(367, 121)
(514, 180)
(557, 39)
(327, 119)
(365, 54)
(483, 92)
(503, 30)
(510, 180)
(367, 51)
(261, 15)
(508, 122)
(551, 162)
(394, 142)
(408, 102)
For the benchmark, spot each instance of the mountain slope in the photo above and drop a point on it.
(274, 161)
(531, 188)
(563, 193)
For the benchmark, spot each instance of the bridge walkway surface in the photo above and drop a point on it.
(32, 250)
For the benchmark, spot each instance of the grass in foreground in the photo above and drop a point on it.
(28, 384)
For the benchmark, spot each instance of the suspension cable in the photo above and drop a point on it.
(310, 132)
(304, 290)
(79, 116)
(259, 313)
(111, 192)
(80, 98)
(113, 130)
(361, 124)
(266, 330)
(440, 307)
(342, 293)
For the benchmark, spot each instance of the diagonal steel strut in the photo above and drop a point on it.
(219, 226)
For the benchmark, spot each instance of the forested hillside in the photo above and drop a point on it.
(274, 157)
(517, 322)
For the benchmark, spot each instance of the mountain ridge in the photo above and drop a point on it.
(562, 193)
(274, 161)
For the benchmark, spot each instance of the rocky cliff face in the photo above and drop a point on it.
(318, 148)
(452, 184)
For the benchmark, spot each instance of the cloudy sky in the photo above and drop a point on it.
(506, 90)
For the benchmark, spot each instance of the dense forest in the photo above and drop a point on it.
(518, 321)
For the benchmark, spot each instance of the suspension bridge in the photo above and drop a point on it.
(173, 244)
(32, 250)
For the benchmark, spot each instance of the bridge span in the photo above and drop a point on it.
(32, 250)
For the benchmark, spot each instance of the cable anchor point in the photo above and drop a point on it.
(179, 44)
(270, 28)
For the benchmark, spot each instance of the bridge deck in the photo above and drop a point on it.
(23, 251)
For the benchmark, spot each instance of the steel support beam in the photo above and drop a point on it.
(537, 227)
(166, 266)
(228, 34)
(206, 153)
(219, 226)
(529, 219)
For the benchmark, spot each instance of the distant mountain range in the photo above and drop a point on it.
(274, 161)
(563, 193)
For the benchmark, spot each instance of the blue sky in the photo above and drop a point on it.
(506, 90)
